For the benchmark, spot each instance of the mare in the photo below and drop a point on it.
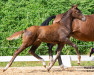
(83, 31)
(57, 33)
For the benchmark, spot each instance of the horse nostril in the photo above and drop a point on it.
(84, 18)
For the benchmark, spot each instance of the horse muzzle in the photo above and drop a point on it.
(84, 18)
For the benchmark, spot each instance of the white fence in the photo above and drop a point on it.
(46, 58)
(65, 58)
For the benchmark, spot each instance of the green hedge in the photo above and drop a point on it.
(16, 15)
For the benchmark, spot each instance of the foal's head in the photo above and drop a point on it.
(76, 13)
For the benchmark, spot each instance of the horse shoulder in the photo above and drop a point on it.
(76, 25)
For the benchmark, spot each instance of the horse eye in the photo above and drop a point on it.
(76, 12)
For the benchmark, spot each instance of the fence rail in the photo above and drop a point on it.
(46, 58)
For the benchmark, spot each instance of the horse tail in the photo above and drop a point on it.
(46, 22)
(16, 35)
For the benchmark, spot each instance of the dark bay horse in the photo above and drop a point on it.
(57, 33)
(83, 31)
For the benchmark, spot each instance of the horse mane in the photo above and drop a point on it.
(46, 22)
(66, 14)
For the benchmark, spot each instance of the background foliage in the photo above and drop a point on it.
(16, 15)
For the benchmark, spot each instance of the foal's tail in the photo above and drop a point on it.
(46, 22)
(15, 35)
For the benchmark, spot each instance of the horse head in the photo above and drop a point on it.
(76, 13)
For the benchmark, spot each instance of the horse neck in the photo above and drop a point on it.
(67, 19)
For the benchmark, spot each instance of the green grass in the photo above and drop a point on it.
(38, 63)
(83, 63)
(25, 64)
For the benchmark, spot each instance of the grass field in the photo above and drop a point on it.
(38, 63)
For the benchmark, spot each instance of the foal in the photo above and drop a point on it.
(57, 33)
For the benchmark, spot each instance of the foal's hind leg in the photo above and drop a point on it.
(32, 52)
(60, 60)
(72, 44)
(27, 41)
(23, 46)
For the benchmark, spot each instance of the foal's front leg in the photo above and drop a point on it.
(50, 53)
(60, 60)
(59, 49)
(51, 56)
(76, 48)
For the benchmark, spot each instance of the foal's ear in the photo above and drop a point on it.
(74, 6)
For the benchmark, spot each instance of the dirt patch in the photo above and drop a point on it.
(42, 71)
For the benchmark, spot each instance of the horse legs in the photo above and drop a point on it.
(60, 61)
(23, 46)
(32, 52)
(59, 49)
(72, 44)
(50, 52)
(51, 56)
(27, 41)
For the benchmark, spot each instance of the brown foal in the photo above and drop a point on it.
(57, 33)
(83, 31)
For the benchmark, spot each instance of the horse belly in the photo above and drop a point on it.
(83, 37)
(48, 38)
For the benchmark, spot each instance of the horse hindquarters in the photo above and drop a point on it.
(28, 40)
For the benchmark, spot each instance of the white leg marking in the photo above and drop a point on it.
(42, 61)
(6, 66)
(51, 58)
(61, 66)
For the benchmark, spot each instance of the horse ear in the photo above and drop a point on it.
(74, 6)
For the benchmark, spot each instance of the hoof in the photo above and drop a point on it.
(44, 66)
(79, 64)
(4, 70)
(48, 69)
(62, 68)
